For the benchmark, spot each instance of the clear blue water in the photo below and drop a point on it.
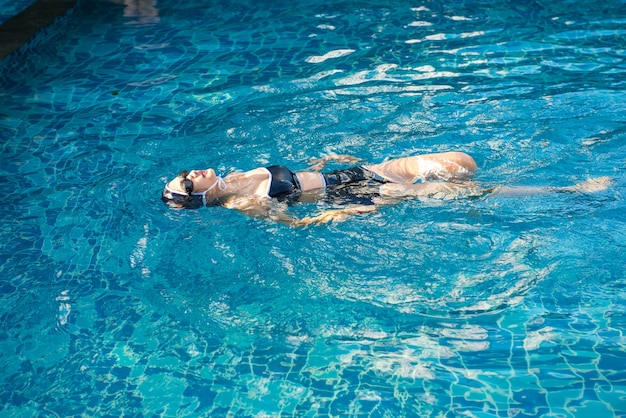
(113, 305)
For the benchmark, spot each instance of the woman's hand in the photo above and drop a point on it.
(334, 215)
(278, 213)
(317, 164)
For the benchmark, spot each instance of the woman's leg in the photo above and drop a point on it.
(444, 166)
(447, 190)
(593, 185)
(434, 190)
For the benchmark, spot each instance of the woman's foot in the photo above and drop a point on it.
(590, 186)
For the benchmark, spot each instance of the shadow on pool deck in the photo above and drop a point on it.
(17, 30)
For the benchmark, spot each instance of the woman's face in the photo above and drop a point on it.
(201, 179)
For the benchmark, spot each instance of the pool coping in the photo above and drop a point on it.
(17, 30)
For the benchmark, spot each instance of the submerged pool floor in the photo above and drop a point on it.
(112, 304)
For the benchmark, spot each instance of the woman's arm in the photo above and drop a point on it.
(272, 212)
(335, 215)
(317, 164)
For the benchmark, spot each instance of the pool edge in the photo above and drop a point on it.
(17, 30)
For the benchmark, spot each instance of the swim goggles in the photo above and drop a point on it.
(196, 199)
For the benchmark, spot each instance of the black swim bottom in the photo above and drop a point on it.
(356, 185)
(354, 175)
(353, 186)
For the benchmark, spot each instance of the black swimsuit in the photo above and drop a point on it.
(356, 185)
(353, 186)
(352, 175)
(283, 183)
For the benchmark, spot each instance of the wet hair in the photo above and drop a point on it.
(181, 200)
(191, 199)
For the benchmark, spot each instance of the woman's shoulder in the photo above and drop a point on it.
(259, 173)
(252, 184)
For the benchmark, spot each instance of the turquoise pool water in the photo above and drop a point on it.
(113, 305)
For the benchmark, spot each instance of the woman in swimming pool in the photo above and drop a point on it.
(364, 187)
